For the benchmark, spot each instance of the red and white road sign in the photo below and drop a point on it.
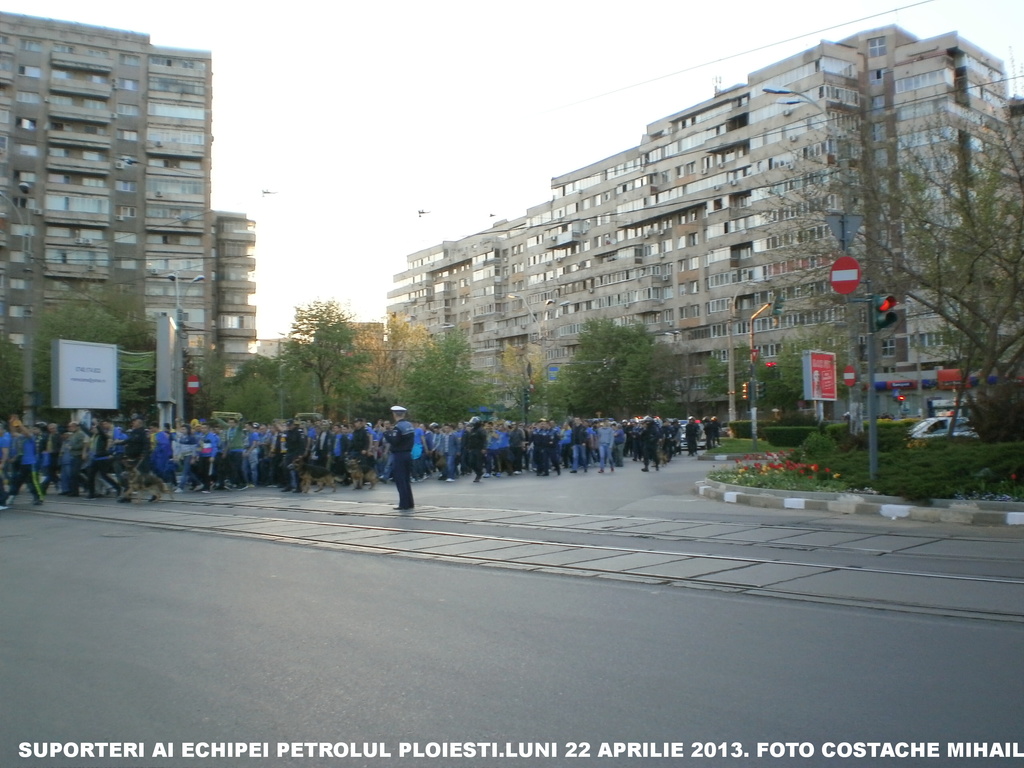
(845, 275)
(849, 375)
(192, 384)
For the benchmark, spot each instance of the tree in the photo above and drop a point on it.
(440, 383)
(954, 219)
(11, 362)
(520, 375)
(323, 343)
(104, 316)
(265, 389)
(389, 347)
(613, 372)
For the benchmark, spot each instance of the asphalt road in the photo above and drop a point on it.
(131, 633)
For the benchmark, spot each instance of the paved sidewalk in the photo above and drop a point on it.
(648, 562)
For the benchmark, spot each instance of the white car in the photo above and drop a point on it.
(939, 427)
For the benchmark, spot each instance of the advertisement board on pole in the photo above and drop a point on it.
(819, 370)
(84, 375)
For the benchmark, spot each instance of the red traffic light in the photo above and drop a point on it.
(883, 315)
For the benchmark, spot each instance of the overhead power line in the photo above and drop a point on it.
(737, 55)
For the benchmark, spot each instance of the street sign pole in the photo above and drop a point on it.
(870, 391)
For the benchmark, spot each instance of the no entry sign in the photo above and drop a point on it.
(192, 384)
(849, 375)
(845, 275)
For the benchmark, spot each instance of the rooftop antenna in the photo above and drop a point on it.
(717, 82)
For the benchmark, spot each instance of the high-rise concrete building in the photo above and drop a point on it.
(720, 210)
(105, 143)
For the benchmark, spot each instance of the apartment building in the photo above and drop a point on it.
(720, 210)
(105, 143)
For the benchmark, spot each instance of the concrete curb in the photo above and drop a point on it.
(962, 512)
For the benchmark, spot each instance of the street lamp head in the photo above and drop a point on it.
(198, 278)
(24, 187)
(778, 90)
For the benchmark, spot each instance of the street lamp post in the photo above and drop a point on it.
(28, 347)
(542, 339)
(179, 349)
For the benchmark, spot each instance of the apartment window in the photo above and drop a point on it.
(888, 347)
(129, 110)
(126, 186)
(876, 46)
(63, 48)
(28, 150)
(878, 132)
(127, 84)
(26, 123)
(27, 71)
(129, 59)
(25, 97)
(31, 45)
(127, 135)
(126, 211)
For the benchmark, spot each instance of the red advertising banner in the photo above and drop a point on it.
(820, 381)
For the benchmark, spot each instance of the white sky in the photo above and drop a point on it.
(360, 114)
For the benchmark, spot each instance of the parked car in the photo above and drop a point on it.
(939, 427)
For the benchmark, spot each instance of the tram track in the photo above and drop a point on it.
(597, 554)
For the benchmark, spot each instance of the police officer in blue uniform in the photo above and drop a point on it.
(401, 438)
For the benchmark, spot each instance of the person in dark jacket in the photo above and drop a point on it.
(401, 437)
(101, 460)
(476, 447)
(650, 439)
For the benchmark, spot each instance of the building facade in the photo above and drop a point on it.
(105, 161)
(720, 211)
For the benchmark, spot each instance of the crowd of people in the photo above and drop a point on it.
(91, 461)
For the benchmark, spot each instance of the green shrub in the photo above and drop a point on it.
(788, 437)
(892, 435)
(740, 428)
(819, 446)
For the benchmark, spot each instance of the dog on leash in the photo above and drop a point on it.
(361, 475)
(311, 474)
(140, 483)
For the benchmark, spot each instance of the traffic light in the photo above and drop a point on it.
(778, 299)
(882, 314)
(746, 390)
(762, 387)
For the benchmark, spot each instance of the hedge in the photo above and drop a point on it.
(788, 437)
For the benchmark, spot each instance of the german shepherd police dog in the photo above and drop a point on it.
(311, 474)
(139, 483)
(361, 475)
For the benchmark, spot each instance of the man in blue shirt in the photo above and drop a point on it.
(6, 457)
(25, 469)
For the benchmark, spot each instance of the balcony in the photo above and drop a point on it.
(74, 61)
(81, 114)
(564, 239)
(78, 165)
(80, 87)
(74, 271)
(79, 139)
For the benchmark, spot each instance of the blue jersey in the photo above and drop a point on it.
(28, 450)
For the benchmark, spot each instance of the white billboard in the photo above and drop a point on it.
(84, 375)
